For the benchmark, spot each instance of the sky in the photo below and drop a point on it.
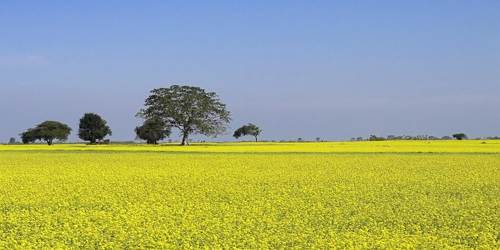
(328, 69)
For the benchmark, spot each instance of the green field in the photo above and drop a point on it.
(417, 194)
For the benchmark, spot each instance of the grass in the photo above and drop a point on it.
(252, 195)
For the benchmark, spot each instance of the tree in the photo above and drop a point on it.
(12, 140)
(192, 110)
(375, 138)
(249, 129)
(152, 131)
(460, 136)
(29, 136)
(47, 131)
(93, 128)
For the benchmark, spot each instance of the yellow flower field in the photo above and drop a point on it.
(468, 146)
(403, 194)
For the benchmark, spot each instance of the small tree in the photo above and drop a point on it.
(47, 131)
(152, 131)
(12, 140)
(460, 136)
(249, 129)
(29, 136)
(375, 138)
(192, 110)
(93, 128)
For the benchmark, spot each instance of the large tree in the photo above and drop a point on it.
(192, 110)
(93, 128)
(152, 131)
(47, 131)
(249, 129)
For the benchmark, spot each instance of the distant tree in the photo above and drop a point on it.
(375, 138)
(249, 129)
(12, 140)
(152, 131)
(460, 136)
(318, 139)
(47, 131)
(192, 110)
(93, 128)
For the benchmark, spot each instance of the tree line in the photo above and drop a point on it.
(190, 110)
(457, 136)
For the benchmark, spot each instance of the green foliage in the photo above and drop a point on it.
(460, 136)
(152, 131)
(192, 110)
(249, 129)
(29, 136)
(47, 131)
(376, 138)
(93, 128)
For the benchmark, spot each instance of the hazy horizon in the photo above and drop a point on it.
(297, 69)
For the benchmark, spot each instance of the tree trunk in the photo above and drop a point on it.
(256, 139)
(185, 139)
(49, 142)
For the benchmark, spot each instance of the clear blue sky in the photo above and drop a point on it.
(333, 69)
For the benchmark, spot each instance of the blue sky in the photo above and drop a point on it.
(329, 69)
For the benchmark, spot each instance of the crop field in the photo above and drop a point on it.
(401, 194)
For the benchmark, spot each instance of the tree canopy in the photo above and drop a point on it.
(47, 131)
(93, 128)
(190, 109)
(249, 129)
(152, 131)
(460, 136)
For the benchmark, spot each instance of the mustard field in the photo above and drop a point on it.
(398, 195)
(468, 146)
